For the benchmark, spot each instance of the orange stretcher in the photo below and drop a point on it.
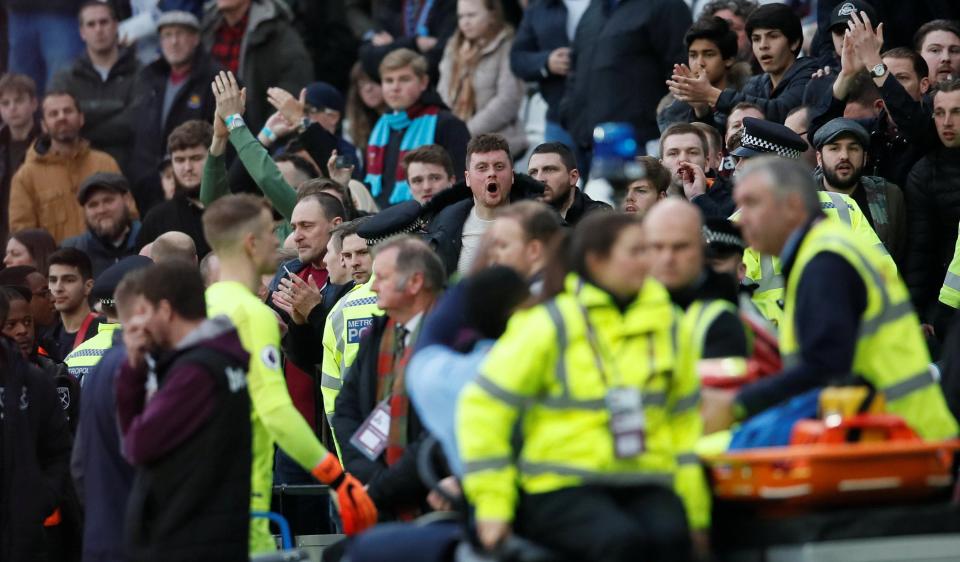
(888, 463)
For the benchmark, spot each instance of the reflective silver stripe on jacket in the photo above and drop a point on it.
(589, 476)
(952, 281)
(493, 463)
(909, 385)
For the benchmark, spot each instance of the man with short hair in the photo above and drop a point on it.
(711, 326)
(456, 231)
(102, 81)
(522, 239)
(683, 151)
(71, 280)
(429, 171)
(554, 165)
(173, 246)
(644, 193)
(111, 230)
(711, 54)
(18, 106)
(199, 409)
(842, 146)
(777, 39)
(416, 117)
(43, 193)
(735, 125)
(256, 41)
(170, 91)
(240, 230)
(933, 206)
(188, 149)
(798, 121)
(409, 279)
(938, 42)
(866, 328)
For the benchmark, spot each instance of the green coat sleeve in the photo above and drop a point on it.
(264, 171)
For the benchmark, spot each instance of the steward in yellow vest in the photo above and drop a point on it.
(846, 311)
(608, 422)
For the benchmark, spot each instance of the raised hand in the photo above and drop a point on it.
(291, 108)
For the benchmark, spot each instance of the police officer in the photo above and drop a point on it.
(608, 420)
(846, 310)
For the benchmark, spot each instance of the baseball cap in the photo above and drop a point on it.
(841, 13)
(322, 95)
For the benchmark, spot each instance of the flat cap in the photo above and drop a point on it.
(403, 218)
(766, 137)
(178, 17)
(101, 180)
(836, 128)
(107, 281)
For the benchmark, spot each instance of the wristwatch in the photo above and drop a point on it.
(234, 121)
(879, 70)
(304, 123)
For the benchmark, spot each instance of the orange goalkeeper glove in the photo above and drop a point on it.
(357, 510)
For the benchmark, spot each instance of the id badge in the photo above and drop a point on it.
(372, 436)
(627, 422)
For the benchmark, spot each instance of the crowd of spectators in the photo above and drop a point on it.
(425, 165)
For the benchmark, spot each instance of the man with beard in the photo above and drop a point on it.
(188, 150)
(111, 232)
(842, 146)
(553, 164)
(44, 189)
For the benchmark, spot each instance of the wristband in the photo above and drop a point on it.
(268, 132)
(234, 121)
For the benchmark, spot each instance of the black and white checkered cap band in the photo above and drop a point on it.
(409, 229)
(763, 145)
(725, 238)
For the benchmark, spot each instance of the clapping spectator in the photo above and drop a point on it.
(711, 56)
(43, 192)
(170, 91)
(475, 77)
(18, 106)
(256, 41)
(102, 80)
(541, 53)
(777, 39)
(32, 247)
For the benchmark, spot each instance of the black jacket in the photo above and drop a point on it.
(542, 30)
(893, 150)
(392, 488)
(449, 210)
(621, 60)
(300, 341)
(194, 101)
(107, 105)
(582, 206)
(7, 169)
(34, 456)
(388, 15)
(718, 200)
(104, 254)
(179, 213)
(775, 102)
(933, 213)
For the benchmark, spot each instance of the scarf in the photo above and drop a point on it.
(465, 61)
(419, 126)
(391, 363)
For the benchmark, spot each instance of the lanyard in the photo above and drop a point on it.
(598, 355)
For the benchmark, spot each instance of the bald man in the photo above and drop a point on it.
(173, 245)
(676, 252)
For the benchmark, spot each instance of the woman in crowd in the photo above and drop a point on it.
(31, 246)
(364, 106)
(475, 77)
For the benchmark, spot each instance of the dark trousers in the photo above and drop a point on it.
(636, 524)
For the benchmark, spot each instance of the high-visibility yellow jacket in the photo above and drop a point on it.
(950, 292)
(86, 355)
(694, 329)
(765, 271)
(352, 314)
(545, 372)
(890, 353)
